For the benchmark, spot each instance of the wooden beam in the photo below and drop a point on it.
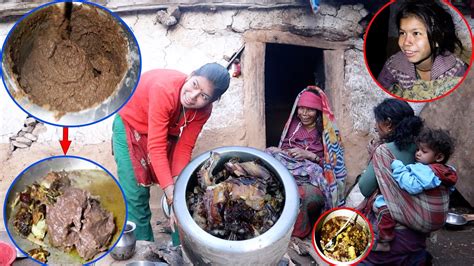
(273, 36)
(334, 74)
(253, 70)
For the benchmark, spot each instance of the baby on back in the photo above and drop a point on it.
(434, 147)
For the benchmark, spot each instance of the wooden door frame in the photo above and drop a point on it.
(253, 69)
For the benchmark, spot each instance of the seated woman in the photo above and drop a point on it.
(310, 149)
(426, 67)
(415, 215)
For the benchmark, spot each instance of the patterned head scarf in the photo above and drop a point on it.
(310, 100)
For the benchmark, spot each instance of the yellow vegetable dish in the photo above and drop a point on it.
(349, 244)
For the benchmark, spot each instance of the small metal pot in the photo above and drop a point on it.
(203, 248)
(125, 247)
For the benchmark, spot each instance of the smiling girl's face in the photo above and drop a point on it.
(414, 43)
(196, 93)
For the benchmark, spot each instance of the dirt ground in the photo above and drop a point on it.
(452, 246)
(447, 246)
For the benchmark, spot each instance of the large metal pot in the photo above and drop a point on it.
(204, 248)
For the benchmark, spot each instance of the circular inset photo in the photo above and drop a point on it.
(342, 236)
(65, 210)
(418, 50)
(70, 63)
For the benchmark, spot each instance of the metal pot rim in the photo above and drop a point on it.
(133, 227)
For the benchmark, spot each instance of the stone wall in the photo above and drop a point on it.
(454, 113)
(200, 37)
(203, 36)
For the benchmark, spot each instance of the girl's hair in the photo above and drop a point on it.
(406, 125)
(439, 24)
(217, 75)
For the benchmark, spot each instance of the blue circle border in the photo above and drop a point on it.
(85, 2)
(52, 158)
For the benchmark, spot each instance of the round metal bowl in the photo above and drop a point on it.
(455, 219)
(100, 183)
(203, 248)
(123, 90)
(347, 214)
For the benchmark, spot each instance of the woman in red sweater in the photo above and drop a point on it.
(155, 132)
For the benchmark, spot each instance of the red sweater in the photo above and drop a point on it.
(154, 109)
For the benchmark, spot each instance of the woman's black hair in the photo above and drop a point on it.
(439, 24)
(217, 75)
(406, 125)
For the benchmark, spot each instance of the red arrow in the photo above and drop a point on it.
(65, 143)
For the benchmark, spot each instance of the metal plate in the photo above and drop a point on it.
(455, 219)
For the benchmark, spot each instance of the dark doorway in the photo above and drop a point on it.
(288, 70)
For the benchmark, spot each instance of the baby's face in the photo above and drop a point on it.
(424, 154)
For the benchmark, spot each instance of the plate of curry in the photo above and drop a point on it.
(65, 209)
(342, 236)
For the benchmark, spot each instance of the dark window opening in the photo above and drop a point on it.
(288, 70)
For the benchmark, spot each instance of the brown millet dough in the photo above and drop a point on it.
(69, 73)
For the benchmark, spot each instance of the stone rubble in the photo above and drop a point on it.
(27, 135)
